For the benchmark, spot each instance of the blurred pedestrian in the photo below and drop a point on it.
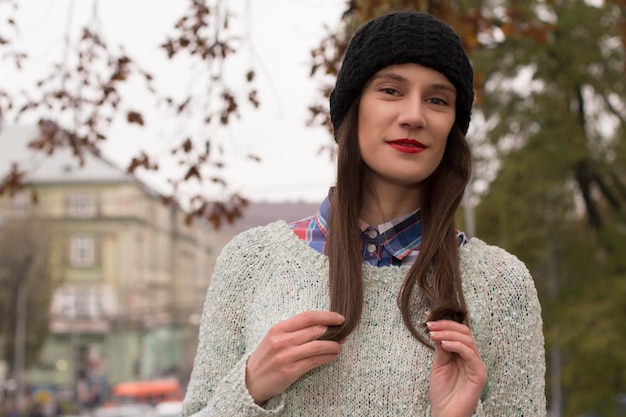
(36, 410)
(13, 410)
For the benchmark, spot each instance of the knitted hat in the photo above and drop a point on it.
(398, 38)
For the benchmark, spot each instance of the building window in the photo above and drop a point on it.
(81, 204)
(83, 303)
(79, 303)
(82, 250)
(65, 302)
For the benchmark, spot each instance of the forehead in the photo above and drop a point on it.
(412, 72)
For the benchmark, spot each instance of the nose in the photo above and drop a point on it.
(411, 114)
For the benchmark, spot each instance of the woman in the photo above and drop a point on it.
(377, 305)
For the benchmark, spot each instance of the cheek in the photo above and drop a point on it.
(446, 128)
(364, 140)
(440, 152)
(441, 135)
(370, 114)
(441, 148)
(370, 125)
(362, 120)
(364, 127)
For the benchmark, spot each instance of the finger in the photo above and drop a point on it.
(317, 348)
(447, 325)
(464, 351)
(311, 318)
(474, 365)
(448, 351)
(450, 330)
(277, 340)
(303, 327)
(449, 342)
(295, 361)
(307, 350)
(467, 339)
(284, 365)
(441, 356)
(314, 354)
(302, 336)
(313, 362)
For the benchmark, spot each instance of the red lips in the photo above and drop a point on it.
(407, 145)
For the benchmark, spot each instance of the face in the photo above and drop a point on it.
(405, 115)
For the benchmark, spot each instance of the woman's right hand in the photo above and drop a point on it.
(289, 350)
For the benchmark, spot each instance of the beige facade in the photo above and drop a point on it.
(130, 275)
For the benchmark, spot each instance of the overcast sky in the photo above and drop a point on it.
(281, 36)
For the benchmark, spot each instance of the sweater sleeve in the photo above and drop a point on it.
(217, 387)
(514, 352)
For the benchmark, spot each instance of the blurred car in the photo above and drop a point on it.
(125, 410)
(151, 392)
(169, 409)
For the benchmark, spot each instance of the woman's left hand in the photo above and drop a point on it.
(458, 374)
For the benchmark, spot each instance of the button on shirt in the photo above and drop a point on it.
(396, 242)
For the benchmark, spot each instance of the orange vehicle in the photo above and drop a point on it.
(147, 392)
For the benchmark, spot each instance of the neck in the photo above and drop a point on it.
(382, 204)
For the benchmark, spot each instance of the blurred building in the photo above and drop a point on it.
(130, 276)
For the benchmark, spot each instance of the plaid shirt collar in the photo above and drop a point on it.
(400, 236)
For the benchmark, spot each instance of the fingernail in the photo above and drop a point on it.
(341, 318)
(429, 324)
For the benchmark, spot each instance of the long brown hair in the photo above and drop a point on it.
(436, 271)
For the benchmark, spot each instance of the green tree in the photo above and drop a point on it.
(556, 105)
(549, 141)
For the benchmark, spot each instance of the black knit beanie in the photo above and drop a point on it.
(398, 38)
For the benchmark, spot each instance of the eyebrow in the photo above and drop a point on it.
(400, 78)
(390, 75)
(445, 87)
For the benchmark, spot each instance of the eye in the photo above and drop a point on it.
(390, 91)
(438, 101)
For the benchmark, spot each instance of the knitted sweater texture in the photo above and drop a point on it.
(266, 275)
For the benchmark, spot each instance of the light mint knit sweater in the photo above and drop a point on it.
(266, 275)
